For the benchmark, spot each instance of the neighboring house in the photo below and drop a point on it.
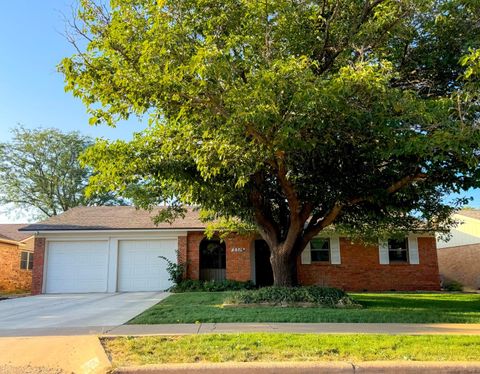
(459, 257)
(16, 258)
(116, 249)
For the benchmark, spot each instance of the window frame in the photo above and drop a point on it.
(28, 261)
(406, 250)
(329, 251)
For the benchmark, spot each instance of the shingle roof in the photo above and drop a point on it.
(10, 231)
(113, 218)
(3, 237)
(471, 213)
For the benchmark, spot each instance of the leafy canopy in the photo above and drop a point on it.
(40, 172)
(289, 115)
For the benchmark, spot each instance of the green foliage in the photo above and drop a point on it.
(175, 270)
(452, 286)
(39, 169)
(190, 285)
(377, 308)
(289, 115)
(281, 347)
(321, 296)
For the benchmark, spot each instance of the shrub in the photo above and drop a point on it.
(320, 296)
(452, 286)
(190, 285)
(175, 271)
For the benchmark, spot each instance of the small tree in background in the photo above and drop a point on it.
(288, 115)
(39, 170)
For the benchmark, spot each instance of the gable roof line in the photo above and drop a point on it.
(115, 218)
(12, 231)
(5, 239)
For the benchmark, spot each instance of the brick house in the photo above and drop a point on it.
(110, 249)
(459, 257)
(16, 258)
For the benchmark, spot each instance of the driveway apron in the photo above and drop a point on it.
(75, 310)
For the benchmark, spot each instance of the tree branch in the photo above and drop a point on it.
(317, 223)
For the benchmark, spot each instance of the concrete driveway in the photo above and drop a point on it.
(80, 313)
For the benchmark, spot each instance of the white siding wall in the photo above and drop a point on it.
(466, 233)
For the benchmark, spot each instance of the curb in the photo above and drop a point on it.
(339, 367)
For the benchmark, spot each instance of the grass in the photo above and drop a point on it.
(380, 307)
(128, 351)
(8, 294)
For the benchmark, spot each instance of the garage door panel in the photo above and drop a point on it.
(77, 266)
(140, 268)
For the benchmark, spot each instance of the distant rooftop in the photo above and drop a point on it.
(10, 232)
(113, 218)
(471, 213)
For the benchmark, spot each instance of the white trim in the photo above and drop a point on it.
(335, 255)
(29, 253)
(383, 253)
(413, 255)
(306, 255)
(14, 242)
(45, 266)
(112, 268)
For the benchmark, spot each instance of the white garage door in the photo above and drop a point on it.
(77, 266)
(140, 268)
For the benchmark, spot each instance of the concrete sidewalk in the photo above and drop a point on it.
(309, 328)
(53, 355)
(223, 328)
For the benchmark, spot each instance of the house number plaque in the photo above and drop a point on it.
(238, 250)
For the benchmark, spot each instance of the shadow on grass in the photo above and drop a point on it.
(378, 308)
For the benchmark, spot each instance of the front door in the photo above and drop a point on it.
(263, 267)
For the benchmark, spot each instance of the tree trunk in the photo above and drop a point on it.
(284, 268)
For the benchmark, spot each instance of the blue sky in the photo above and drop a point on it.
(31, 90)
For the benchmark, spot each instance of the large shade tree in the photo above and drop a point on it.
(288, 115)
(41, 176)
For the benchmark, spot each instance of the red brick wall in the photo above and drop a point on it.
(38, 261)
(193, 254)
(461, 263)
(360, 270)
(238, 263)
(12, 278)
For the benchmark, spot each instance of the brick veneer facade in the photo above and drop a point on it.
(461, 264)
(359, 270)
(238, 263)
(38, 261)
(12, 278)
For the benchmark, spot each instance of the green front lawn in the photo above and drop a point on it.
(194, 307)
(128, 351)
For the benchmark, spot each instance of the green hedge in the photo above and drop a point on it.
(190, 285)
(321, 296)
(452, 286)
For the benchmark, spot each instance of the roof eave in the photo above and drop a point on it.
(60, 231)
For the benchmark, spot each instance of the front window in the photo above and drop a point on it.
(320, 250)
(398, 250)
(26, 260)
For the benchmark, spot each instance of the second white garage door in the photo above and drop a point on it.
(77, 266)
(139, 265)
